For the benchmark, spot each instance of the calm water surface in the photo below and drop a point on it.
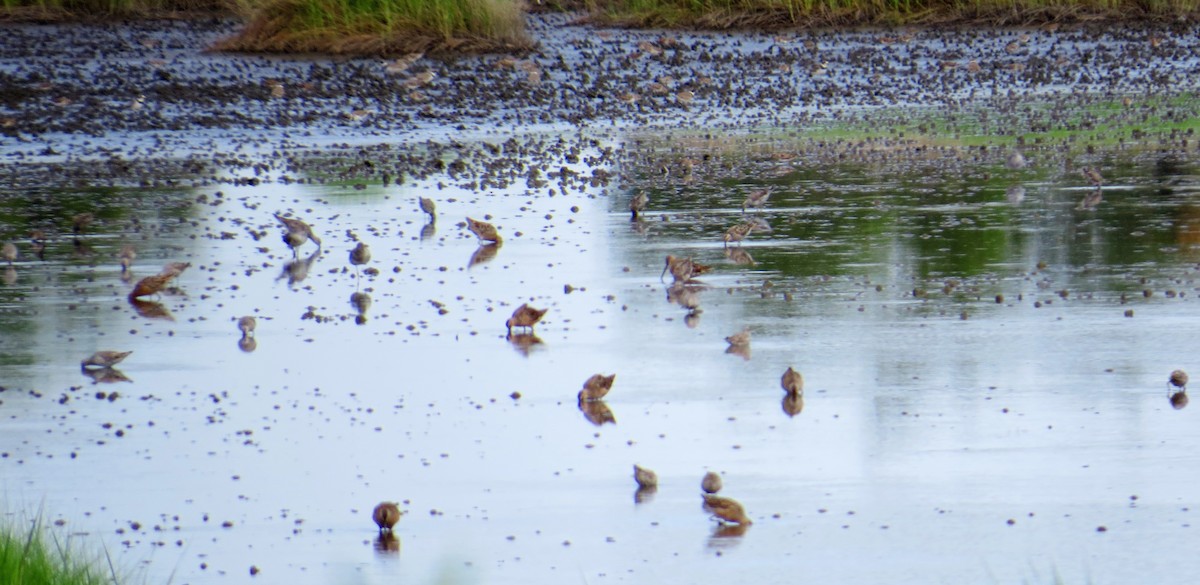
(986, 377)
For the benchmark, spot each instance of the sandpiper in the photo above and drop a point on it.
(792, 382)
(386, 515)
(711, 483)
(596, 387)
(644, 477)
(726, 509)
(524, 316)
(483, 230)
(297, 234)
(105, 359)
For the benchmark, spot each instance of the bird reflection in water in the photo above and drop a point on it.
(1014, 194)
(484, 253)
(792, 404)
(151, 310)
(644, 494)
(387, 544)
(524, 342)
(10, 276)
(739, 256)
(1179, 400)
(296, 270)
(361, 301)
(428, 231)
(725, 536)
(105, 375)
(597, 412)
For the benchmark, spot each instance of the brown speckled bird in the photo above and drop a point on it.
(737, 233)
(683, 269)
(386, 515)
(792, 382)
(740, 339)
(428, 206)
(524, 316)
(247, 325)
(9, 252)
(638, 204)
(1179, 379)
(711, 483)
(726, 509)
(483, 230)
(756, 199)
(596, 387)
(151, 285)
(644, 477)
(297, 233)
(105, 359)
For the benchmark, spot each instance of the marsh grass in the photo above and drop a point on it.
(37, 557)
(380, 26)
(783, 14)
(65, 10)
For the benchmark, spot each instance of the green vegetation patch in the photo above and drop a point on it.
(36, 557)
(785, 14)
(380, 26)
(65, 10)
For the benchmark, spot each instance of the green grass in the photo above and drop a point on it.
(76, 9)
(36, 556)
(780, 14)
(380, 26)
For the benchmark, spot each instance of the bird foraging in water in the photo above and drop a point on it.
(740, 339)
(737, 233)
(386, 515)
(792, 382)
(428, 207)
(711, 483)
(726, 509)
(247, 325)
(596, 387)
(1015, 160)
(175, 268)
(127, 255)
(1179, 379)
(297, 233)
(524, 316)
(1092, 174)
(483, 230)
(104, 359)
(151, 285)
(80, 222)
(756, 199)
(644, 477)
(638, 204)
(683, 269)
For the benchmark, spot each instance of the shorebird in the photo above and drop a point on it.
(151, 285)
(9, 252)
(297, 233)
(638, 204)
(683, 269)
(104, 359)
(428, 207)
(80, 222)
(175, 268)
(739, 339)
(726, 509)
(1092, 174)
(247, 325)
(483, 230)
(737, 233)
(596, 387)
(1015, 160)
(386, 515)
(792, 382)
(127, 255)
(360, 255)
(711, 483)
(1179, 379)
(756, 199)
(684, 97)
(524, 316)
(644, 477)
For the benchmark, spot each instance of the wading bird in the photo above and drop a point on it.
(483, 230)
(104, 359)
(524, 316)
(792, 382)
(386, 515)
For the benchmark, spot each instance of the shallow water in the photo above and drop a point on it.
(944, 436)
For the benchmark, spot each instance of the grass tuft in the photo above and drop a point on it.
(381, 26)
(37, 557)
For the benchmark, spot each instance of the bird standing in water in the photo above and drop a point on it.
(386, 515)
(297, 233)
(360, 255)
(792, 382)
(104, 359)
(644, 477)
(524, 316)
(483, 230)
(638, 204)
(726, 509)
(711, 483)
(596, 387)
(1179, 379)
